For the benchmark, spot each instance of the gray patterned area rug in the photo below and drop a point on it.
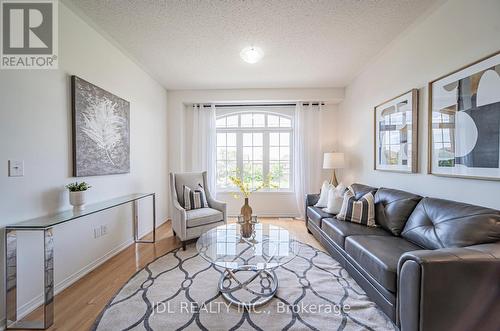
(178, 291)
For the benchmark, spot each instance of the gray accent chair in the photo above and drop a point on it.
(190, 224)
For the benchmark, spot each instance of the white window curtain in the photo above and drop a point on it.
(307, 152)
(203, 146)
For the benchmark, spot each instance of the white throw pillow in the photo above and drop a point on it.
(323, 196)
(335, 199)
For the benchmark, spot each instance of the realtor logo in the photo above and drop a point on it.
(29, 34)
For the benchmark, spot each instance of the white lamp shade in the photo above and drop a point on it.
(333, 160)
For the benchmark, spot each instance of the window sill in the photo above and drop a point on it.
(257, 193)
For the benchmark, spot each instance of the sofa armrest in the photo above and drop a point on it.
(311, 199)
(449, 289)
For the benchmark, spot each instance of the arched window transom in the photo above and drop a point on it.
(256, 143)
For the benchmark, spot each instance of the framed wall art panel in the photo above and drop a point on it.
(464, 121)
(101, 131)
(396, 134)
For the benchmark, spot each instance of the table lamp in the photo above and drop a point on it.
(333, 161)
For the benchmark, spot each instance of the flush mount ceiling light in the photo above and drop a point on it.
(251, 54)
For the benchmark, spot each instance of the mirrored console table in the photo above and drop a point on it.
(45, 225)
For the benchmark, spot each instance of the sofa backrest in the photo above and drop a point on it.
(360, 190)
(393, 207)
(438, 223)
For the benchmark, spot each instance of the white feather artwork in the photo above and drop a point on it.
(101, 136)
(103, 126)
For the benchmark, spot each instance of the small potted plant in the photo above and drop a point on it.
(77, 195)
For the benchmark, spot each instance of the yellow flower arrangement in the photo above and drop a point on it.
(245, 188)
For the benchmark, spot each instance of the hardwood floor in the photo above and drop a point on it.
(77, 307)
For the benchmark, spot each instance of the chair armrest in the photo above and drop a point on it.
(449, 289)
(179, 218)
(220, 206)
(178, 207)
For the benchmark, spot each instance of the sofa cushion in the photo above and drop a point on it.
(393, 207)
(379, 256)
(360, 190)
(202, 216)
(437, 223)
(315, 214)
(338, 230)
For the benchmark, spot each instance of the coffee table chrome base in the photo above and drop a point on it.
(267, 279)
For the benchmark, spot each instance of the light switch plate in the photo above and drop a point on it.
(16, 168)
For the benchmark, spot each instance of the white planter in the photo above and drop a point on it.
(77, 200)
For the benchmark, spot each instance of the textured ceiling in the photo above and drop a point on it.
(195, 44)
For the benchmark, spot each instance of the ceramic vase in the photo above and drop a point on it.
(77, 200)
(246, 212)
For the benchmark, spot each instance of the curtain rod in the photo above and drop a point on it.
(263, 105)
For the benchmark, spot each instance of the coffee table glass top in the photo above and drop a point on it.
(269, 246)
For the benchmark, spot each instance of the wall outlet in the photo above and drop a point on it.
(16, 168)
(100, 231)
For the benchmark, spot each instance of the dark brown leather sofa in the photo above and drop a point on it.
(431, 264)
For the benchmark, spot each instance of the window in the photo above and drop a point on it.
(257, 143)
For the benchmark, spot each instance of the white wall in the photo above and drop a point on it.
(281, 204)
(457, 33)
(35, 126)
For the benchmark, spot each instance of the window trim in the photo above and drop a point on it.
(265, 142)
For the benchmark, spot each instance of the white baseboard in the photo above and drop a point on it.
(276, 215)
(34, 303)
(68, 281)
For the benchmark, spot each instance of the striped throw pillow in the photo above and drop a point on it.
(194, 198)
(360, 211)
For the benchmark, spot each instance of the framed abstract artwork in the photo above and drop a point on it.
(396, 133)
(464, 125)
(101, 131)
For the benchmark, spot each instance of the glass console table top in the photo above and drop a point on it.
(68, 215)
(269, 247)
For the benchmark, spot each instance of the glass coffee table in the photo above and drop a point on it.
(248, 261)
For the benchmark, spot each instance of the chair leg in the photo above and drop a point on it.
(183, 245)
